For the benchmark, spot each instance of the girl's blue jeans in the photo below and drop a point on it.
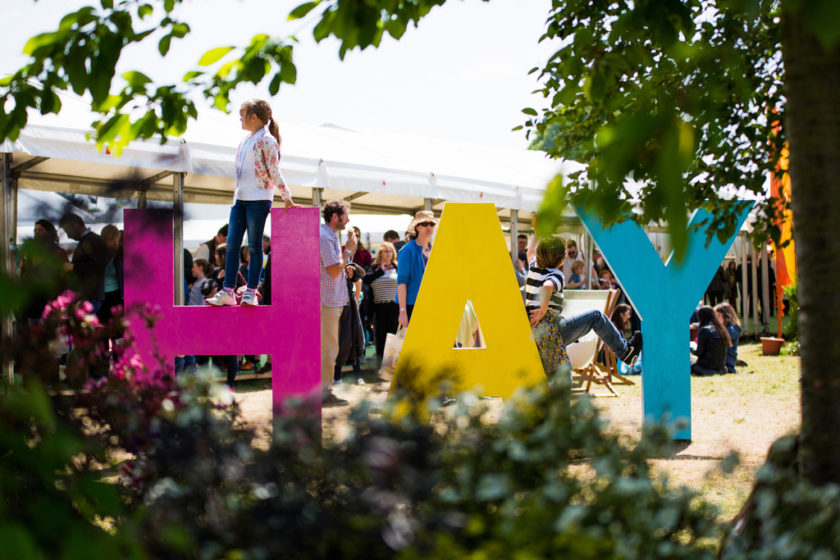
(574, 327)
(245, 215)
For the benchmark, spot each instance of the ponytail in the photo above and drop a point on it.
(262, 109)
(275, 131)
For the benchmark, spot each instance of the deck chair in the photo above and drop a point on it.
(583, 353)
(610, 363)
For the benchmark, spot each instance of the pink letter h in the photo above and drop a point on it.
(289, 329)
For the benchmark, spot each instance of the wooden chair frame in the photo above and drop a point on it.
(593, 371)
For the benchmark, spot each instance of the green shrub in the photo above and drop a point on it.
(143, 464)
(53, 500)
(792, 328)
(542, 481)
(785, 517)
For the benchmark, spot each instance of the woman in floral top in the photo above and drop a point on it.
(257, 175)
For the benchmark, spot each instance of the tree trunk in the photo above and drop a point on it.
(812, 88)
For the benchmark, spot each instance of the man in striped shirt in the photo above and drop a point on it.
(334, 294)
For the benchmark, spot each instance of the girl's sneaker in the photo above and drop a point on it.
(249, 298)
(221, 299)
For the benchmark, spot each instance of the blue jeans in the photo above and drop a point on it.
(250, 215)
(574, 327)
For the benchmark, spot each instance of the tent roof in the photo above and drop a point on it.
(379, 172)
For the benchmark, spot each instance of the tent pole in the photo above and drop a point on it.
(323, 179)
(514, 234)
(9, 196)
(590, 266)
(178, 207)
(428, 204)
(141, 200)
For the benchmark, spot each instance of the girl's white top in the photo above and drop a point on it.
(257, 169)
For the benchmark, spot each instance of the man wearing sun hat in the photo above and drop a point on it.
(416, 254)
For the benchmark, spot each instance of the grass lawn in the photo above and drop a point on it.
(744, 412)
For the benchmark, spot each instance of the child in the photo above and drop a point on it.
(576, 280)
(712, 343)
(544, 302)
(257, 175)
(726, 314)
(201, 270)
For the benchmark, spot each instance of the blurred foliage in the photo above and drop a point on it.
(785, 516)
(52, 496)
(141, 464)
(667, 105)
(82, 55)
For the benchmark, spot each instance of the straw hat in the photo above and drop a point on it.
(419, 218)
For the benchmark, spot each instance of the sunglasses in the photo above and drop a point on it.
(427, 224)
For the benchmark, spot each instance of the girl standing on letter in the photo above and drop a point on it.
(257, 175)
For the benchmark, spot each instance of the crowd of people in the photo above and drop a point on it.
(365, 294)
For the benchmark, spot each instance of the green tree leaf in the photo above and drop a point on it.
(40, 41)
(303, 9)
(213, 55)
(144, 11)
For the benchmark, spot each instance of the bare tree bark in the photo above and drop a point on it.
(812, 88)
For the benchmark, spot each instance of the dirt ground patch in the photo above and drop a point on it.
(744, 413)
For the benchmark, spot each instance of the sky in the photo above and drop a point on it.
(461, 75)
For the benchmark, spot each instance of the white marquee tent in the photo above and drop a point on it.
(378, 172)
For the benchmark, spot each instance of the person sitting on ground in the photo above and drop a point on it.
(712, 342)
(544, 303)
(726, 314)
(576, 281)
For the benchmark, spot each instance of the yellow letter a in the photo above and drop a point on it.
(470, 262)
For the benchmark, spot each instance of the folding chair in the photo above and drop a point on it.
(610, 363)
(583, 353)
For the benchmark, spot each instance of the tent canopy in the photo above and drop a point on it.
(379, 172)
